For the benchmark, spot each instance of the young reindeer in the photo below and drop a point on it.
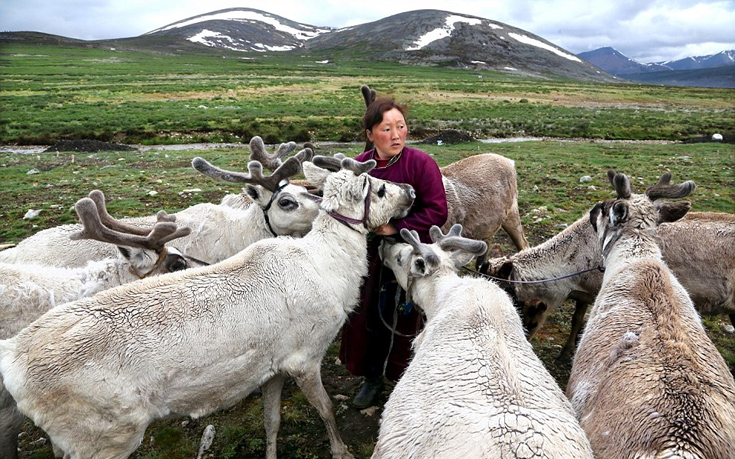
(96, 372)
(217, 231)
(646, 380)
(474, 388)
(28, 291)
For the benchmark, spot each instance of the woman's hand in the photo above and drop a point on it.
(385, 230)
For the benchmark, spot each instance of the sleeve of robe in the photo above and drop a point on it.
(419, 170)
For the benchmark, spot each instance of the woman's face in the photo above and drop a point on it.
(389, 136)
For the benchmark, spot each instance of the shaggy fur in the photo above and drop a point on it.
(646, 380)
(96, 372)
(474, 388)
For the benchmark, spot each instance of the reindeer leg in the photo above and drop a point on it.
(513, 227)
(732, 319)
(11, 422)
(272, 408)
(580, 309)
(310, 384)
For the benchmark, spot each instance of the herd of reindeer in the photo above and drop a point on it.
(111, 324)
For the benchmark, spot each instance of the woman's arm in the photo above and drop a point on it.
(430, 207)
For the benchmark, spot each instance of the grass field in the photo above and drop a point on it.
(159, 96)
(549, 172)
(162, 98)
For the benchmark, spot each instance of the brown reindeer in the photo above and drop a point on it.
(699, 249)
(646, 380)
(482, 194)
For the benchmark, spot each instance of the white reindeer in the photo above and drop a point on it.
(474, 388)
(28, 291)
(217, 231)
(647, 382)
(96, 372)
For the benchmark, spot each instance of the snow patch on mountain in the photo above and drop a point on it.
(216, 39)
(442, 32)
(542, 45)
(249, 16)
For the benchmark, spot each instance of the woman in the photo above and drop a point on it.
(376, 340)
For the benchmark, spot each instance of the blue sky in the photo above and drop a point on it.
(645, 30)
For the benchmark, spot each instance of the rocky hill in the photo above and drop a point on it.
(241, 29)
(616, 63)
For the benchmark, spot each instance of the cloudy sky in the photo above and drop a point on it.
(645, 30)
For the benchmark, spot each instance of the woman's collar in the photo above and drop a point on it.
(391, 161)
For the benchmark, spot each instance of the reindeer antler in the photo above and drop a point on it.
(368, 94)
(330, 163)
(307, 153)
(268, 160)
(664, 188)
(289, 168)
(453, 240)
(339, 161)
(620, 182)
(99, 199)
(93, 228)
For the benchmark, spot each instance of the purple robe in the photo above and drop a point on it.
(367, 347)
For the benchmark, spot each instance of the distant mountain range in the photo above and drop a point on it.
(716, 70)
(422, 37)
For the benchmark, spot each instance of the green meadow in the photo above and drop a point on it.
(161, 95)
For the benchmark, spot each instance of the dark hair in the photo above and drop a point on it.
(374, 113)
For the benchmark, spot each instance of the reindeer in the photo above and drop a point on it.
(28, 291)
(646, 379)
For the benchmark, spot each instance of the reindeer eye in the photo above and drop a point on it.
(420, 265)
(178, 264)
(287, 203)
(381, 191)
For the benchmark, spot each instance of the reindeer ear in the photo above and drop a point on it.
(594, 213)
(618, 213)
(314, 174)
(253, 192)
(505, 270)
(419, 267)
(672, 211)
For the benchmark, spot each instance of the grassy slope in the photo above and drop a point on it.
(171, 96)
